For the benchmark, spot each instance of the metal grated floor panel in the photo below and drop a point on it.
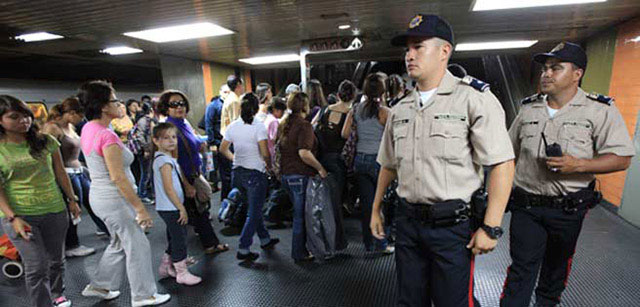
(606, 272)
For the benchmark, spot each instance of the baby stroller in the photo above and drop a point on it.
(11, 268)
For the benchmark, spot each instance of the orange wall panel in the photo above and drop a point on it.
(625, 88)
(208, 84)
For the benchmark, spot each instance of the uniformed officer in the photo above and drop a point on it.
(584, 135)
(436, 142)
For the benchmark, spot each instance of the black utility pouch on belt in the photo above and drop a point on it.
(442, 214)
(478, 207)
(449, 212)
(583, 199)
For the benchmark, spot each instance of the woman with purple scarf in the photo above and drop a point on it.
(175, 105)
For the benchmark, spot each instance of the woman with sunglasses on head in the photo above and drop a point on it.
(31, 206)
(62, 119)
(175, 105)
(114, 200)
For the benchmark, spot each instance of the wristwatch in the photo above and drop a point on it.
(492, 232)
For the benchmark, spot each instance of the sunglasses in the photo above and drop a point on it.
(177, 104)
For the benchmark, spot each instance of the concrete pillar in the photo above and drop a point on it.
(186, 76)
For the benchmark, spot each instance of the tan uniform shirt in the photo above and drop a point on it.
(230, 111)
(438, 151)
(584, 128)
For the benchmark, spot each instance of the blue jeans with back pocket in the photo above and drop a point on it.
(296, 186)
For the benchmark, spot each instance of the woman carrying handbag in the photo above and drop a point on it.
(175, 105)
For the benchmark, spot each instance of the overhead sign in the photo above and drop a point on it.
(335, 44)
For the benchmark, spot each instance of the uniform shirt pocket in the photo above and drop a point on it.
(400, 140)
(577, 137)
(448, 140)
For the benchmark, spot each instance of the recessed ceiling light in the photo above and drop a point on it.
(183, 32)
(495, 45)
(121, 50)
(344, 27)
(39, 36)
(292, 57)
(487, 5)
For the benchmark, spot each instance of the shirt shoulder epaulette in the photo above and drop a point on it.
(532, 98)
(475, 83)
(601, 98)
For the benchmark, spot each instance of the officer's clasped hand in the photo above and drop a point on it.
(565, 164)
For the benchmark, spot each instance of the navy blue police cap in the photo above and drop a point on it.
(565, 52)
(423, 25)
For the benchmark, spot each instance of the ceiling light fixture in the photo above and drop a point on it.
(120, 50)
(488, 5)
(495, 45)
(39, 36)
(282, 58)
(344, 27)
(178, 33)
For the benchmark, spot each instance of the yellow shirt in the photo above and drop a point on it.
(230, 111)
(122, 126)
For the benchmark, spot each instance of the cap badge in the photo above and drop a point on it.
(558, 48)
(416, 21)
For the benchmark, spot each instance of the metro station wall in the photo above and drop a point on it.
(186, 76)
(614, 69)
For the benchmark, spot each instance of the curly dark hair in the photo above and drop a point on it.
(37, 141)
(163, 102)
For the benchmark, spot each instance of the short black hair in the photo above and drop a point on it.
(249, 106)
(94, 96)
(163, 102)
(145, 97)
(233, 81)
(277, 103)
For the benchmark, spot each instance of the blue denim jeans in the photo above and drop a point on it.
(296, 186)
(367, 170)
(81, 183)
(176, 235)
(253, 186)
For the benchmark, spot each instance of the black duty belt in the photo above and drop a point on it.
(442, 214)
(572, 202)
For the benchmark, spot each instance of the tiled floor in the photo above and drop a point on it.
(606, 272)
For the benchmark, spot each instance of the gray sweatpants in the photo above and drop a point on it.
(42, 256)
(128, 251)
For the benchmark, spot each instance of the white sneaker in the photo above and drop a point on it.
(79, 251)
(91, 291)
(156, 299)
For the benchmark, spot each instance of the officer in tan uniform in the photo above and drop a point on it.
(436, 141)
(584, 134)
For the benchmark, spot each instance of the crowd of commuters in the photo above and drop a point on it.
(261, 142)
(113, 158)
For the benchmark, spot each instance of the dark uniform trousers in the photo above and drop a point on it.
(433, 264)
(540, 236)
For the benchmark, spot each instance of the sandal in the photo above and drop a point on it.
(220, 248)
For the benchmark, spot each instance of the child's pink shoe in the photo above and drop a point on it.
(166, 269)
(183, 276)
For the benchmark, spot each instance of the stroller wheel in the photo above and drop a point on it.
(12, 269)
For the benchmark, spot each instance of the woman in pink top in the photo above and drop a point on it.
(114, 200)
(276, 111)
